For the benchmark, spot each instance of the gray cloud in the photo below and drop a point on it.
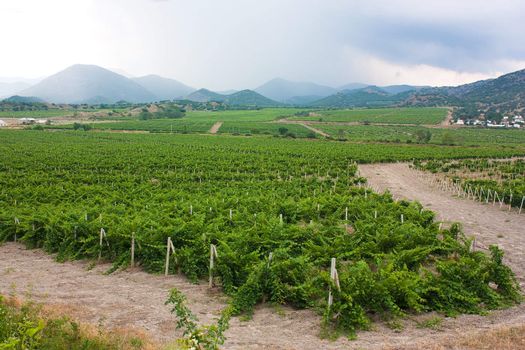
(242, 43)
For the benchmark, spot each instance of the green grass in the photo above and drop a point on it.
(380, 115)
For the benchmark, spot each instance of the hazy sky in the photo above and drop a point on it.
(223, 44)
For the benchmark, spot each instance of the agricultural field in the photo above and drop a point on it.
(399, 133)
(484, 180)
(256, 115)
(265, 128)
(276, 214)
(44, 113)
(414, 115)
(183, 125)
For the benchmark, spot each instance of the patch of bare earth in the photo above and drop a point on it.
(133, 299)
(215, 128)
(317, 131)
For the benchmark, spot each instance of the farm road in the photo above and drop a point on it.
(215, 128)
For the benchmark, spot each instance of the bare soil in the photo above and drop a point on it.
(317, 131)
(135, 299)
(215, 128)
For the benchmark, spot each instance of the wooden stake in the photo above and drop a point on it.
(168, 248)
(521, 205)
(17, 222)
(213, 255)
(334, 277)
(102, 235)
(133, 249)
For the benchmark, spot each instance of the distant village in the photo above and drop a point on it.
(506, 122)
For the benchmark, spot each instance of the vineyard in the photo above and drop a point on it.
(409, 134)
(484, 180)
(378, 115)
(287, 221)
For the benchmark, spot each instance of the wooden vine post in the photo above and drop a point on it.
(17, 223)
(170, 249)
(521, 205)
(335, 278)
(213, 256)
(132, 249)
(101, 241)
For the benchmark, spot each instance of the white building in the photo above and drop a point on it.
(2, 123)
(460, 122)
(27, 121)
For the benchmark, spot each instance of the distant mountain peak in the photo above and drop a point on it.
(82, 83)
(164, 88)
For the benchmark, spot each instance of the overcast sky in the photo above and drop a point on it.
(233, 44)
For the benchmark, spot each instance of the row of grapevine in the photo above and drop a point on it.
(483, 179)
(276, 215)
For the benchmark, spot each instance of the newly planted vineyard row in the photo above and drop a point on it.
(483, 179)
(274, 215)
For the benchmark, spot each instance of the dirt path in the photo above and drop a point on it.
(317, 131)
(134, 299)
(215, 128)
(448, 119)
(489, 224)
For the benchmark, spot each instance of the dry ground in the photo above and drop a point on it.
(215, 128)
(134, 299)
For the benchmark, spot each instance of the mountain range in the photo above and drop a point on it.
(93, 84)
(286, 91)
(243, 97)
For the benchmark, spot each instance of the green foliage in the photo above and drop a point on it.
(21, 328)
(484, 178)
(79, 126)
(184, 187)
(195, 336)
(423, 136)
(379, 115)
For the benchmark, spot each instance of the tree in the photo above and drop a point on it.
(283, 131)
(423, 136)
(448, 139)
